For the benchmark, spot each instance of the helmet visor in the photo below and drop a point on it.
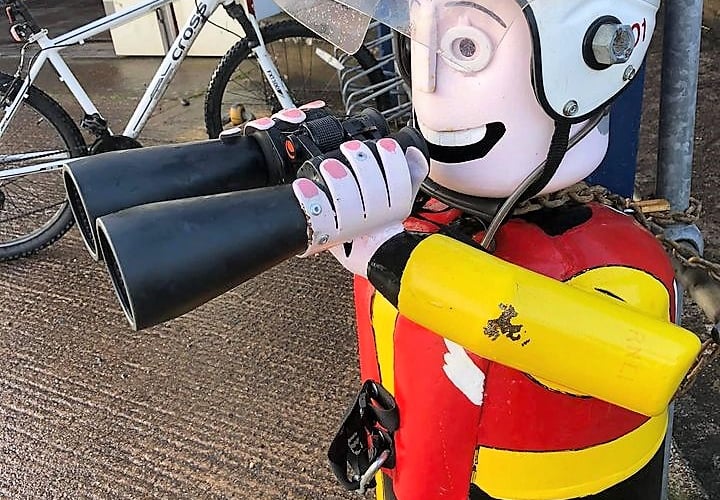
(335, 21)
(470, 31)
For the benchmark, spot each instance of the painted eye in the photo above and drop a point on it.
(466, 48)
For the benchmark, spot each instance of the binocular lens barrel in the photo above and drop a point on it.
(107, 183)
(168, 258)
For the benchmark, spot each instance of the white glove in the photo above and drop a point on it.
(368, 201)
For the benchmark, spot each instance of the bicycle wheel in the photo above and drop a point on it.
(297, 53)
(34, 212)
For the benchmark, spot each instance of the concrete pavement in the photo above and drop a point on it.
(239, 398)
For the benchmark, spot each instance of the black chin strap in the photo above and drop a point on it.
(556, 153)
(529, 187)
(487, 208)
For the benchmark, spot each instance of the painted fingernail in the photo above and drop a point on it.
(261, 123)
(293, 113)
(313, 105)
(353, 145)
(307, 188)
(388, 145)
(335, 169)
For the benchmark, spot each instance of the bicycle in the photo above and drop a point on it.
(242, 88)
(34, 212)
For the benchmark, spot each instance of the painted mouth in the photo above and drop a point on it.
(447, 147)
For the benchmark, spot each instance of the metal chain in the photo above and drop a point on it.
(655, 216)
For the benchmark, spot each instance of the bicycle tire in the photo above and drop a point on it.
(241, 51)
(67, 132)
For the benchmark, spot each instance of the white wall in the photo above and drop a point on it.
(143, 37)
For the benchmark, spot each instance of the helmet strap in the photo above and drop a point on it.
(556, 153)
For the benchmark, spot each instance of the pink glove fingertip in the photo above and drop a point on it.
(294, 116)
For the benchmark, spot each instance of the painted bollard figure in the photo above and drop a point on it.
(503, 355)
(502, 388)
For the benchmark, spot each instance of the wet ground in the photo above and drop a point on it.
(240, 397)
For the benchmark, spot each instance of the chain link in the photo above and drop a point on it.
(655, 219)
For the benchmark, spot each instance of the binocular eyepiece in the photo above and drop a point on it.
(179, 225)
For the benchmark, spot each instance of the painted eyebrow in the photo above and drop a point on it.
(473, 5)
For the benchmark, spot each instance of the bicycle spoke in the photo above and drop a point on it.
(35, 211)
(246, 78)
(309, 76)
(285, 52)
(251, 96)
(245, 94)
(33, 149)
(16, 187)
(14, 184)
(293, 53)
(300, 47)
(11, 202)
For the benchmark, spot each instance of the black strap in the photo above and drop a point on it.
(486, 208)
(483, 208)
(556, 153)
(366, 431)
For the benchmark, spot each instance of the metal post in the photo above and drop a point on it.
(681, 57)
(678, 99)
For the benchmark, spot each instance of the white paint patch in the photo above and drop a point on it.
(678, 301)
(463, 373)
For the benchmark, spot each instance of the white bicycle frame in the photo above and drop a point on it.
(51, 48)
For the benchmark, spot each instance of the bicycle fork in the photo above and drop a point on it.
(273, 77)
(268, 67)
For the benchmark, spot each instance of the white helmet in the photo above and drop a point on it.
(502, 86)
